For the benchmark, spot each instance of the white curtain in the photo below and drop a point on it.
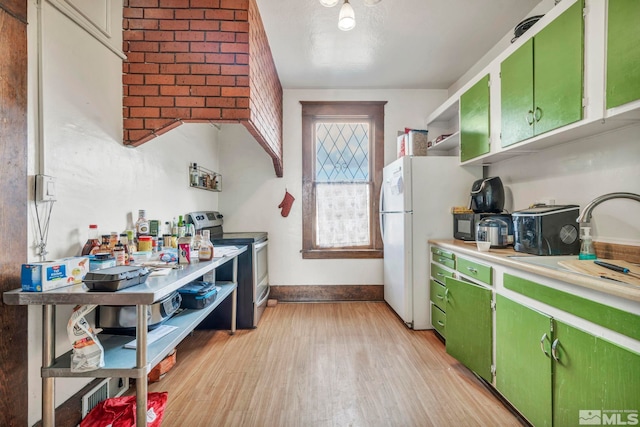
(342, 214)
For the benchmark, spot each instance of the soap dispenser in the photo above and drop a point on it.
(586, 247)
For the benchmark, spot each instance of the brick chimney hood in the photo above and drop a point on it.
(194, 61)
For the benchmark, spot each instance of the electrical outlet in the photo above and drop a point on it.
(45, 188)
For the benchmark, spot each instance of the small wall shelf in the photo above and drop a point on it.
(447, 143)
(204, 178)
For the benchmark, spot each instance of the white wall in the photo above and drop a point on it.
(576, 173)
(252, 192)
(98, 179)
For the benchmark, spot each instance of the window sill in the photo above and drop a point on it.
(341, 253)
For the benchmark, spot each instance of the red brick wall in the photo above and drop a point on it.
(265, 102)
(192, 61)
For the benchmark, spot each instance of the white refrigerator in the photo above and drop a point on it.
(415, 205)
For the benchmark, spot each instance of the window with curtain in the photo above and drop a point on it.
(343, 156)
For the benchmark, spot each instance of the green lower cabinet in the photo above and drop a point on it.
(469, 325)
(558, 375)
(593, 378)
(523, 359)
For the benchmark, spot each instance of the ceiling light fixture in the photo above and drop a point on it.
(347, 17)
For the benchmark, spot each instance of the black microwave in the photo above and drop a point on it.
(464, 225)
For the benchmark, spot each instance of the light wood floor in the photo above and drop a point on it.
(334, 364)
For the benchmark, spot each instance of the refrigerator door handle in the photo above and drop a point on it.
(380, 213)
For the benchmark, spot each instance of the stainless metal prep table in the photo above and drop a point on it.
(118, 360)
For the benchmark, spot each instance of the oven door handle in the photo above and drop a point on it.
(261, 245)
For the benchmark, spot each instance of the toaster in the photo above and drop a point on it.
(547, 230)
(122, 319)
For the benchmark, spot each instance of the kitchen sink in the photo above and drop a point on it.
(545, 261)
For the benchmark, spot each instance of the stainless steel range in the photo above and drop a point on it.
(253, 273)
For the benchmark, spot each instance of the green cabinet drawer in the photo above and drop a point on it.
(438, 320)
(451, 263)
(439, 273)
(441, 253)
(473, 269)
(437, 294)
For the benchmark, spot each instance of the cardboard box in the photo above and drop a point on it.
(48, 275)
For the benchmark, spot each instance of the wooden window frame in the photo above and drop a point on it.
(312, 112)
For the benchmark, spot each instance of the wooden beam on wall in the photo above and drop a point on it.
(13, 209)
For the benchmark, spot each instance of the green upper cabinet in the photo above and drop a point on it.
(557, 68)
(595, 375)
(523, 359)
(516, 87)
(623, 52)
(542, 81)
(469, 325)
(475, 120)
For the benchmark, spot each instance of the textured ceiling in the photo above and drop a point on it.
(400, 44)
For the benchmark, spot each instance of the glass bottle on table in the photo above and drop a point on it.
(182, 230)
(104, 246)
(132, 244)
(142, 224)
(113, 240)
(124, 241)
(206, 247)
(196, 243)
(119, 254)
(93, 241)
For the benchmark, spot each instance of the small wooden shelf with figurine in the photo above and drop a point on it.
(204, 178)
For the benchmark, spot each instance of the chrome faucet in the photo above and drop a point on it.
(585, 216)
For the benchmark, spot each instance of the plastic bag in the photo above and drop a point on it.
(87, 353)
(121, 411)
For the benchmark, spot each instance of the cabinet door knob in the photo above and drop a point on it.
(529, 117)
(538, 114)
(554, 350)
(542, 340)
(472, 270)
(446, 294)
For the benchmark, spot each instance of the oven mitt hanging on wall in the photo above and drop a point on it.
(286, 204)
